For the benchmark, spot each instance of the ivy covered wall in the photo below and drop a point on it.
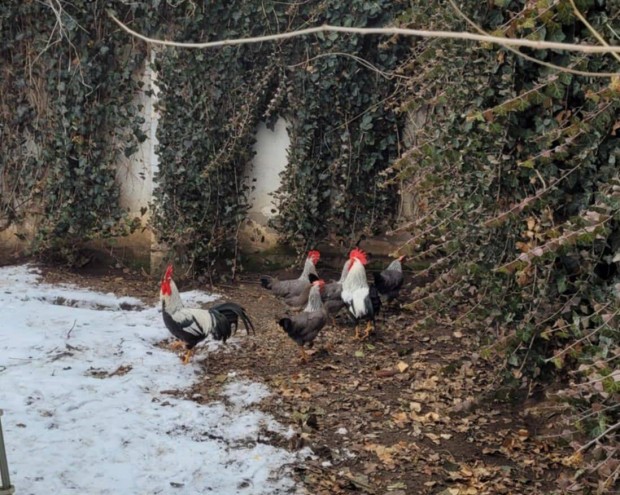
(67, 108)
(336, 91)
(516, 177)
(513, 168)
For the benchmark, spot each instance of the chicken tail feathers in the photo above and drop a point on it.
(378, 280)
(266, 281)
(222, 329)
(287, 325)
(233, 313)
(375, 299)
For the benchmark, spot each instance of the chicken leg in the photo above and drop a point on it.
(188, 356)
(176, 345)
(367, 331)
(303, 356)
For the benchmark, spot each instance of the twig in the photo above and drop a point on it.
(70, 330)
(585, 337)
(360, 60)
(602, 435)
(528, 57)
(530, 199)
(594, 32)
(537, 45)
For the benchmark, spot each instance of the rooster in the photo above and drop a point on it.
(304, 327)
(362, 300)
(390, 280)
(192, 325)
(291, 289)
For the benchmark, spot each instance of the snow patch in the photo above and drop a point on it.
(89, 406)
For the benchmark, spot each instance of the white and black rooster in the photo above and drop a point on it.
(193, 325)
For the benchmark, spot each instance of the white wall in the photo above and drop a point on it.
(135, 174)
(264, 173)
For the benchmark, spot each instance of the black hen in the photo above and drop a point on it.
(390, 280)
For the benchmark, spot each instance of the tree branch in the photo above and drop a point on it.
(537, 45)
(594, 32)
(533, 59)
(602, 435)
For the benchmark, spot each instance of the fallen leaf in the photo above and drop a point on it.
(523, 434)
(402, 366)
(386, 373)
(573, 461)
(400, 418)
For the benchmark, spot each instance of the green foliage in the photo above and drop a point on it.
(517, 186)
(343, 127)
(210, 105)
(68, 114)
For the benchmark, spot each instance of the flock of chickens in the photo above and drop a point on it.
(313, 299)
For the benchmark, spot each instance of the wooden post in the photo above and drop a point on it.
(5, 481)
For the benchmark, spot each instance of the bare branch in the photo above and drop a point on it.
(527, 57)
(537, 45)
(609, 430)
(594, 32)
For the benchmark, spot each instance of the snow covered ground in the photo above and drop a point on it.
(82, 387)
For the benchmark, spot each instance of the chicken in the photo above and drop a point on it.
(193, 325)
(390, 280)
(298, 301)
(288, 289)
(304, 327)
(332, 295)
(362, 300)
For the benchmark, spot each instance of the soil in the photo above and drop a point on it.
(406, 411)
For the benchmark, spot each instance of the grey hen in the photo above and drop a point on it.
(295, 287)
(332, 295)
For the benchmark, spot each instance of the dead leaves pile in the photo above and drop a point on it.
(401, 413)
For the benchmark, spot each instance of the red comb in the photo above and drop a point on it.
(314, 256)
(358, 254)
(169, 271)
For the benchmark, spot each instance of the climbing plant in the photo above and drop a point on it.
(514, 171)
(68, 112)
(343, 128)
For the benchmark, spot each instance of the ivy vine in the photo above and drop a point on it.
(68, 111)
(517, 191)
(343, 126)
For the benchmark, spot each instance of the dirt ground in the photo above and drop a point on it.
(404, 412)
